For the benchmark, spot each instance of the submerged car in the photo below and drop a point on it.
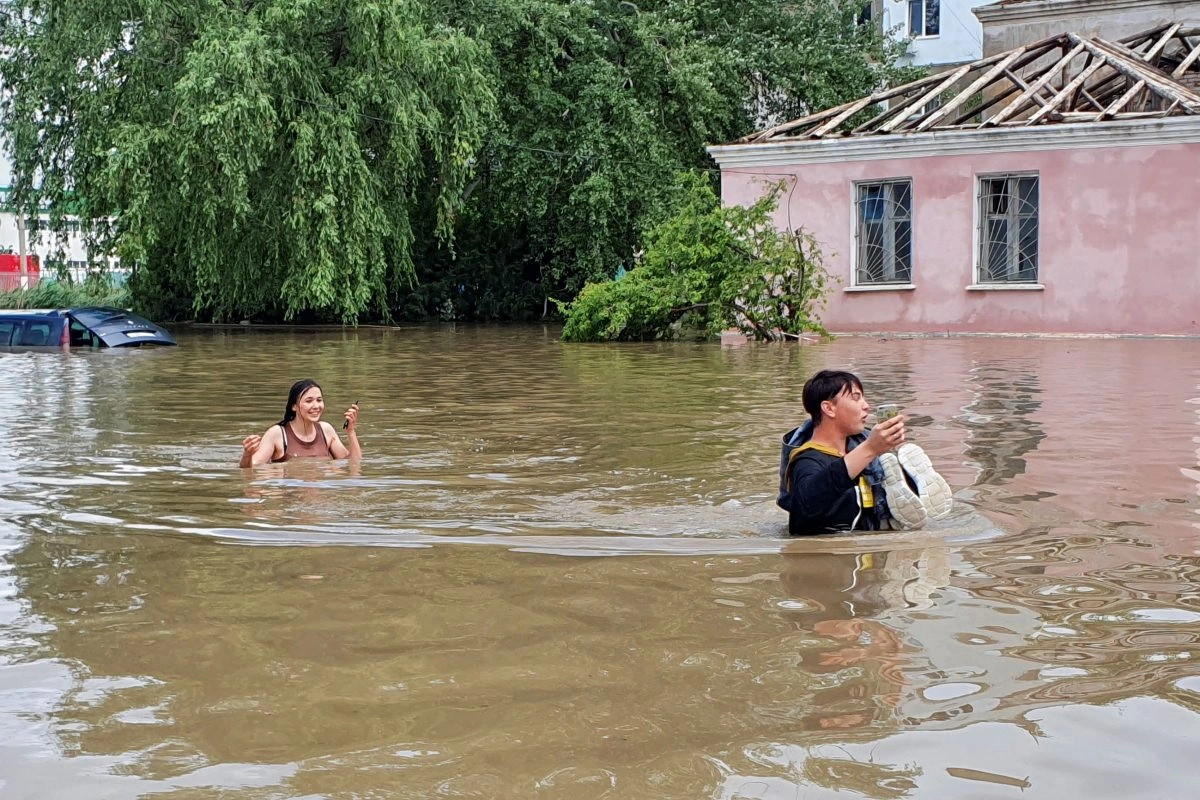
(88, 326)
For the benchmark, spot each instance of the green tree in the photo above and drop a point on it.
(347, 159)
(260, 157)
(605, 102)
(708, 267)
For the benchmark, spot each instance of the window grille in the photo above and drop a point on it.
(1008, 229)
(883, 232)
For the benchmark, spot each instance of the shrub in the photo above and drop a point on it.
(709, 267)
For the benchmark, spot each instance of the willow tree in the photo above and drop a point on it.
(259, 157)
(607, 101)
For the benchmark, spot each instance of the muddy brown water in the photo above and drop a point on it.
(559, 573)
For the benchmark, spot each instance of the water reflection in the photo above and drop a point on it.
(1002, 418)
(177, 664)
(844, 598)
(303, 492)
(560, 573)
(1107, 627)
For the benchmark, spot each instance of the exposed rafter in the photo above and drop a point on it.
(1066, 78)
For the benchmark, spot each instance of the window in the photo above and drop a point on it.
(36, 334)
(1008, 229)
(924, 17)
(865, 13)
(883, 233)
(82, 337)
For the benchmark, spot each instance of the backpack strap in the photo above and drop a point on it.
(866, 495)
(792, 456)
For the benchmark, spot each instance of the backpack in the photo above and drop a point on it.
(793, 444)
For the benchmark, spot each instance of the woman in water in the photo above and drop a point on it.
(301, 433)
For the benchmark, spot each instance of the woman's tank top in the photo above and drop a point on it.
(295, 447)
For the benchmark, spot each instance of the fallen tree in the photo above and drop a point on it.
(708, 268)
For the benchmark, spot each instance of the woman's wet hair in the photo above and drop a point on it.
(826, 385)
(298, 390)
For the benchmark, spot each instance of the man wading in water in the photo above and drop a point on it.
(835, 474)
(301, 433)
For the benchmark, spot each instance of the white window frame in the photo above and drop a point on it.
(978, 216)
(924, 17)
(855, 228)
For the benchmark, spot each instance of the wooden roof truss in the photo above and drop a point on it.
(1066, 78)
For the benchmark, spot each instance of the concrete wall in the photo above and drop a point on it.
(1119, 239)
(1006, 26)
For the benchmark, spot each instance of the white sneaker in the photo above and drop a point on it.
(932, 488)
(906, 507)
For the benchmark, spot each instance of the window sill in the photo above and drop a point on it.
(1005, 287)
(882, 287)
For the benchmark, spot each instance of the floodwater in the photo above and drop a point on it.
(559, 573)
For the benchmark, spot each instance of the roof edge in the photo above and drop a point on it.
(1080, 135)
(1038, 9)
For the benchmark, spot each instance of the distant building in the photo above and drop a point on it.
(944, 33)
(1051, 190)
(67, 254)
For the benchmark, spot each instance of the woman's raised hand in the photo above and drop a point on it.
(351, 417)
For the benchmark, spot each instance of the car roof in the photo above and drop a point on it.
(58, 312)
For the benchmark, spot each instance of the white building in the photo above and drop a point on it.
(943, 32)
(52, 252)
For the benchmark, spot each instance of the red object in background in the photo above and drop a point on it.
(10, 271)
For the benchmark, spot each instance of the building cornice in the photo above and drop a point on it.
(1120, 133)
(1043, 9)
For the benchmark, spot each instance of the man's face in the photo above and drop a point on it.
(848, 411)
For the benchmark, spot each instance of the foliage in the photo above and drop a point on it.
(606, 102)
(711, 267)
(261, 157)
(352, 159)
(60, 294)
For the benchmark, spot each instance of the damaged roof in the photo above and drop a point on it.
(1065, 78)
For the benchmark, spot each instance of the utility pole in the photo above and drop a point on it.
(21, 253)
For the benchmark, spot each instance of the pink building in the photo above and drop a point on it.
(1054, 188)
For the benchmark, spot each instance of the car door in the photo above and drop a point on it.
(81, 336)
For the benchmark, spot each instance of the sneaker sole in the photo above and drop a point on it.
(932, 488)
(906, 507)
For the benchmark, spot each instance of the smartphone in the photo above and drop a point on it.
(886, 411)
(346, 422)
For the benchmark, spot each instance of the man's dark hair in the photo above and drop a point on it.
(826, 385)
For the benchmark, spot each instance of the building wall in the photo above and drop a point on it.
(71, 250)
(1119, 249)
(1009, 25)
(959, 40)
